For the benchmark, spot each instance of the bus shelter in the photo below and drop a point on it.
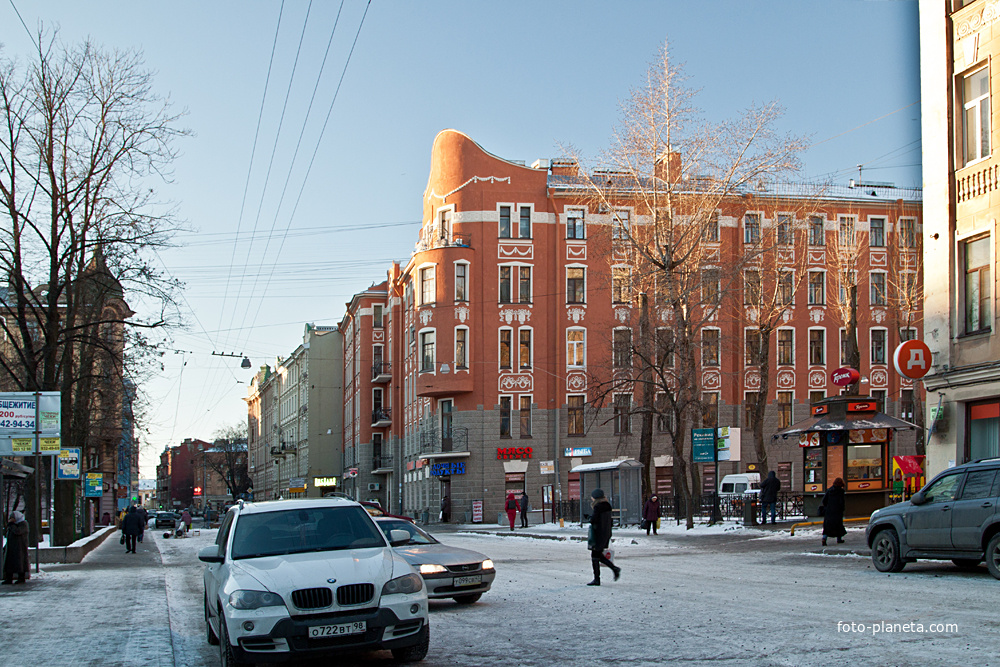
(846, 437)
(621, 482)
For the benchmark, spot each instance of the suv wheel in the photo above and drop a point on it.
(227, 657)
(213, 638)
(885, 551)
(414, 653)
(993, 556)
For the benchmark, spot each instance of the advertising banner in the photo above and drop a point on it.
(703, 444)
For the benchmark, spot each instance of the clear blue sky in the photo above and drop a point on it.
(521, 78)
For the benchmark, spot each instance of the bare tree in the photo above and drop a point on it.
(83, 137)
(227, 457)
(905, 301)
(675, 172)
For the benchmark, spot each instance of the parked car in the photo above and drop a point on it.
(740, 484)
(954, 517)
(166, 520)
(290, 580)
(449, 572)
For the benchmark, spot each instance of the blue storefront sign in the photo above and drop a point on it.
(448, 468)
(703, 445)
(578, 451)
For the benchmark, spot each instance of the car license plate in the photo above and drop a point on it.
(355, 628)
(468, 581)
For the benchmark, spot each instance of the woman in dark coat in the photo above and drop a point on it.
(16, 551)
(651, 512)
(833, 512)
(600, 536)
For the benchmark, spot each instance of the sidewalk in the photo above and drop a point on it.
(110, 609)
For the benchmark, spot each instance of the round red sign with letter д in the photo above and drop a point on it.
(912, 359)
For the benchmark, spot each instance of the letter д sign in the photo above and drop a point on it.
(912, 359)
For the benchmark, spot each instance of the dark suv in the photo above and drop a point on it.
(954, 517)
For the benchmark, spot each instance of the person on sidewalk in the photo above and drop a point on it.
(511, 507)
(445, 509)
(600, 536)
(15, 561)
(525, 506)
(651, 513)
(144, 515)
(186, 520)
(769, 496)
(131, 526)
(832, 509)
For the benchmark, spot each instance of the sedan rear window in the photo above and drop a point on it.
(304, 530)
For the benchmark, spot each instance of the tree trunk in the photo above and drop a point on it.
(759, 409)
(647, 395)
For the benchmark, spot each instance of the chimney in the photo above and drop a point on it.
(668, 167)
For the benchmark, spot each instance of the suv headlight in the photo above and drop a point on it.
(255, 599)
(409, 583)
(487, 564)
(431, 568)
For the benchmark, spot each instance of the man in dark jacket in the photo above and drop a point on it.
(769, 496)
(131, 526)
(600, 536)
(445, 509)
(524, 508)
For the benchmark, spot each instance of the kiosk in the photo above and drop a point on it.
(846, 437)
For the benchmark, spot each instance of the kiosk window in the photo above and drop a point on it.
(943, 490)
(864, 462)
(978, 484)
(814, 465)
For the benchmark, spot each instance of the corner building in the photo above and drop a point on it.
(510, 306)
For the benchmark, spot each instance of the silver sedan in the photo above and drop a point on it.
(448, 572)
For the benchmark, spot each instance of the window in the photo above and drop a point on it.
(879, 395)
(505, 416)
(786, 288)
(976, 118)
(876, 232)
(752, 345)
(427, 356)
(505, 345)
(906, 407)
(817, 235)
(575, 348)
(461, 282)
(908, 232)
(845, 231)
(505, 222)
(751, 288)
(977, 285)
(505, 280)
(749, 405)
(427, 285)
(664, 414)
(817, 347)
(983, 429)
(444, 225)
(575, 225)
(877, 289)
(377, 316)
(786, 347)
(620, 226)
(524, 284)
(524, 348)
(576, 285)
(785, 230)
(622, 348)
(461, 350)
(843, 347)
(622, 407)
(978, 484)
(817, 288)
(711, 286)
(447, 420)
(664, 347)
(712, 228)
(878, 345)
(710, 347)
(943, 490)
(784, 409)
(525, 416)
(710, 408)
(907, 334)
(816, 396)
(620, 279)
(524, 229)
(751, 228)
(574, 415)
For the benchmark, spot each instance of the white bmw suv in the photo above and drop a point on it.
(293, 579)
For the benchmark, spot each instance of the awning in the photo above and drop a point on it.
(909, 465)
(824, 423)
(610, 465)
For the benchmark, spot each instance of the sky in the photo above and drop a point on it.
(312, 125)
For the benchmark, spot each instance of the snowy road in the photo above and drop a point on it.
(736, 597)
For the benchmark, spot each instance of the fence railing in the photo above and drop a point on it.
(731, 508)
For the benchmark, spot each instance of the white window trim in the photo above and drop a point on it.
(586, 278)
(777, 342)
(513, 349)
(760, 226)
(468, 280)
(885, 289)
(531, 222)
(583, 330)
(826, 345)
(701, 351)
(420, 350)
(871, 346)
(513, 217)
(531, 348)
(420, 282)
(628, 285)
(582, 210)
(468, 361)
(972, 71)
(826, 287)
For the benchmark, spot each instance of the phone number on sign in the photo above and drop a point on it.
(17, 423)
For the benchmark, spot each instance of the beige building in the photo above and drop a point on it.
(958, 39)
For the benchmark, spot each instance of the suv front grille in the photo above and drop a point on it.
(312, 598)
(355, 594)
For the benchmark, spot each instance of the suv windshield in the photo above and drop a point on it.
(302, 530)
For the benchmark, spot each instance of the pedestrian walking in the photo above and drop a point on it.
(600, 536)
(106, 519)
(525, 506)
(511, 507)
(445, 509)
(832, 509)
(651, 513)
(769, 496)
(144, 515)
(186, 520)
(131, 527)
(15, 559)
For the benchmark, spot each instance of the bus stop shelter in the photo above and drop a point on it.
(621, 482)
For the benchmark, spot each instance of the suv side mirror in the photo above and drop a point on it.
(210, 555)
(918, 498)
(398, 538)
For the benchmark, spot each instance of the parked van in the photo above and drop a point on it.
(742, 483)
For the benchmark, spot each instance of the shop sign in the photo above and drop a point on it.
(324, 481)
(514, 477)
(297, 484)
(820, 409)
(547, 467)
(477, 511)
(578, 451)
(809, 439)
(448, 468)
(350, 472)
(94, 485)
(514, 452)
(703, 445)
(845, 376)
(862, 406)
(912, 359)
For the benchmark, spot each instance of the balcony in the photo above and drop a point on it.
(382, 465)
(381, 417)
(381, 372)
(446, 240)
(277, 452)
(434, 445)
